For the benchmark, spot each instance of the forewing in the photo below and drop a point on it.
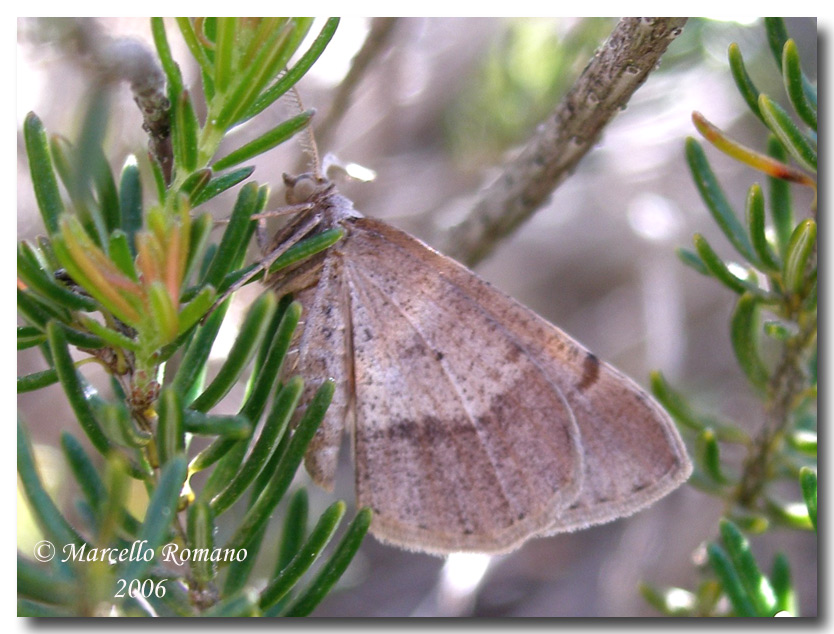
(461, 441)
(631, 452)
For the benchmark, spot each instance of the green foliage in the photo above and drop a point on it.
(139, 287)
(517, 84)
(773, 329)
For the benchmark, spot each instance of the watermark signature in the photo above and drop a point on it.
(137, 551)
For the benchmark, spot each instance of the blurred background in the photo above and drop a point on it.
(434, 117)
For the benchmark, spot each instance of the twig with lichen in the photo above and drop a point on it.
(618, 68)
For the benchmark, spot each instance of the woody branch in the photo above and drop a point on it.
(617, 69)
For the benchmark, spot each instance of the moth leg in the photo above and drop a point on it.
(261, 235)
(301, 230)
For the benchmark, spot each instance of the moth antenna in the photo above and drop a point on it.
(308, 141)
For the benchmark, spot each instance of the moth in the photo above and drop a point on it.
(475, 424)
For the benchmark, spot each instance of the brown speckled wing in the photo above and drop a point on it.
(478, 424)
(323, 352)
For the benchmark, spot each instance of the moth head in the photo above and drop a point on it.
(306, 187)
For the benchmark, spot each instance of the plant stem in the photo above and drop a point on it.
(615, 72)
(786, 384)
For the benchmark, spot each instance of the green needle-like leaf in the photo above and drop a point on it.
(42, 282)
(220, 184)
(680, 410)
(269, 365)
(295, 253)
(265, 142)
(804, 441)
(113, 337)
(748, 156)
(295, 529)
(186, 130)
(196, 309)
(234, 237)
(717, 267)
(288, 465)
(162, 509)
(755, 208)
(783, 127)
(745, 85)
(194, 46)
(808, 482)
(104, 186)
(332, 571)
(793, 515)
(36, 380)
(224, 52)
(37, 312)
(120, 426)
(211, 454)
(87, 153)
(82, 468)
(291, 77)
(249, 338)
(730, 580)
(40, 314)
(200, 528)
(792, 73)
(754, 523)
(172, 71)
(198, 350)
(229, 453)
(44, 180)
(113, 511)
(163, 312)
(239, 570)
(800, 249)
(232, 427)
(271, 59)
(195, 183)
(29, 336)
(716, 201)
(709, 457)
(692, 260)
(120, 253)
(274, 427)
(777, 35)
(36, 583)
(745, 334)
(130, 202)
(66, 158)
(170, 434)
(320, 536)
(50, 520)
(73, 387)
(307, 248)
(782, 586)
(201, 227)
(756, 586)
(779, 194)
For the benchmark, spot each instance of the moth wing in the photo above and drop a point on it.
(323, 352)
(632, 454)
(462, 442)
